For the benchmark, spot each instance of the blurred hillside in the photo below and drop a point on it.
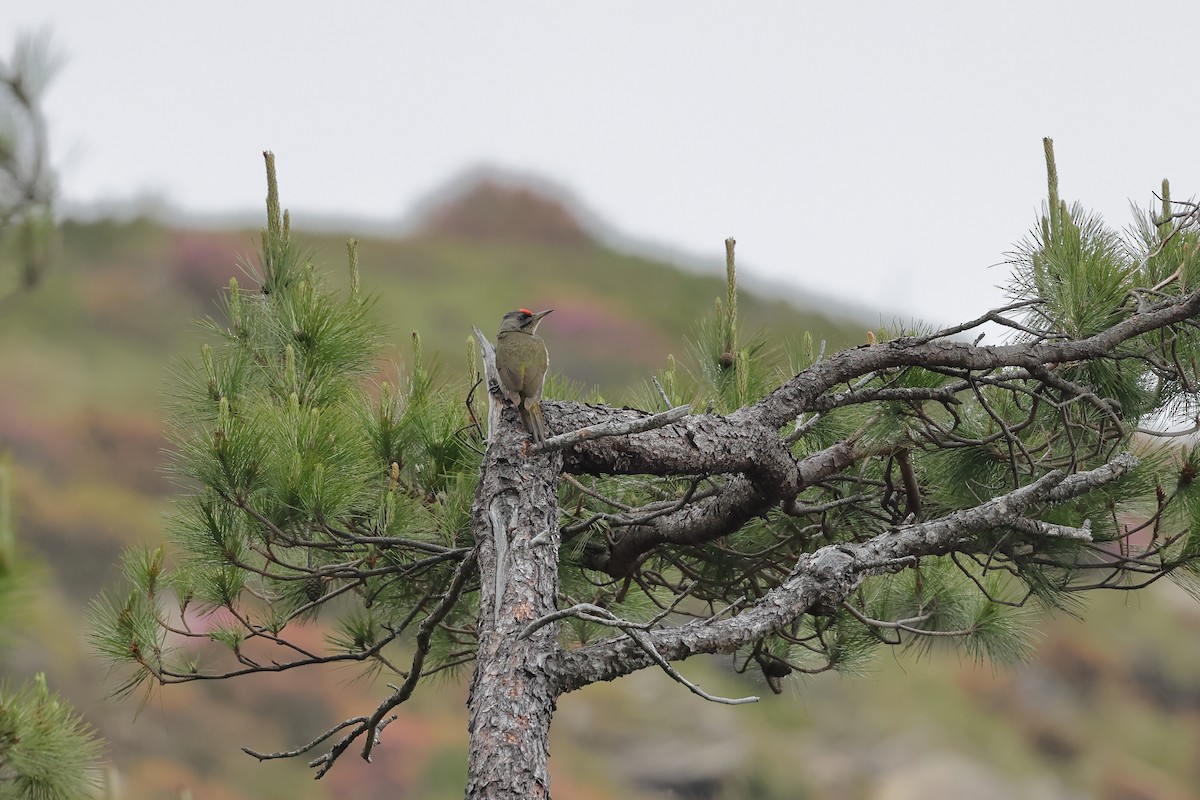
(1110, 709)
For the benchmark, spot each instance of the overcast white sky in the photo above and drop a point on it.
(884, 152)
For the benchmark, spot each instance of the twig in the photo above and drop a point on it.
(802, 428)
(375, 724)
(1039, 527)
(732, 607)
(612, 428)
(647, 644)
(637, 632)
(585, 611)
(590, 492)
(661, 392)
(679, 598)
(304, 748)
(902, 624)
(1170, 434)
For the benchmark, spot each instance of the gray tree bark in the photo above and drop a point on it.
(513, 692)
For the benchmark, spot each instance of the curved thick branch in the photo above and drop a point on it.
(800, 394)
(740, 499)
(710, 444)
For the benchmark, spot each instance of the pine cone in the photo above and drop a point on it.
(314, 588)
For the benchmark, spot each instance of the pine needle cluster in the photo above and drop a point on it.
(47, 751)
(309, 487)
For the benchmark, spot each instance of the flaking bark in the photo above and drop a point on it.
(512, 692)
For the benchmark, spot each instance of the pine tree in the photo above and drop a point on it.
(794, 508)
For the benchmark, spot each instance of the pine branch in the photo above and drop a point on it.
(610, 428)
(825, 579)
(372, 726)
(746, 445)
(801, 392)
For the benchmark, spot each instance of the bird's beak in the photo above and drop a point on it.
(538, 316)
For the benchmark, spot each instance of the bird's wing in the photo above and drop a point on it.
(510, 381)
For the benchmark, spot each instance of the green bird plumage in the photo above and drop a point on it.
(521, 362)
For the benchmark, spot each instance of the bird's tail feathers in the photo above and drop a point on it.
(531, 420)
